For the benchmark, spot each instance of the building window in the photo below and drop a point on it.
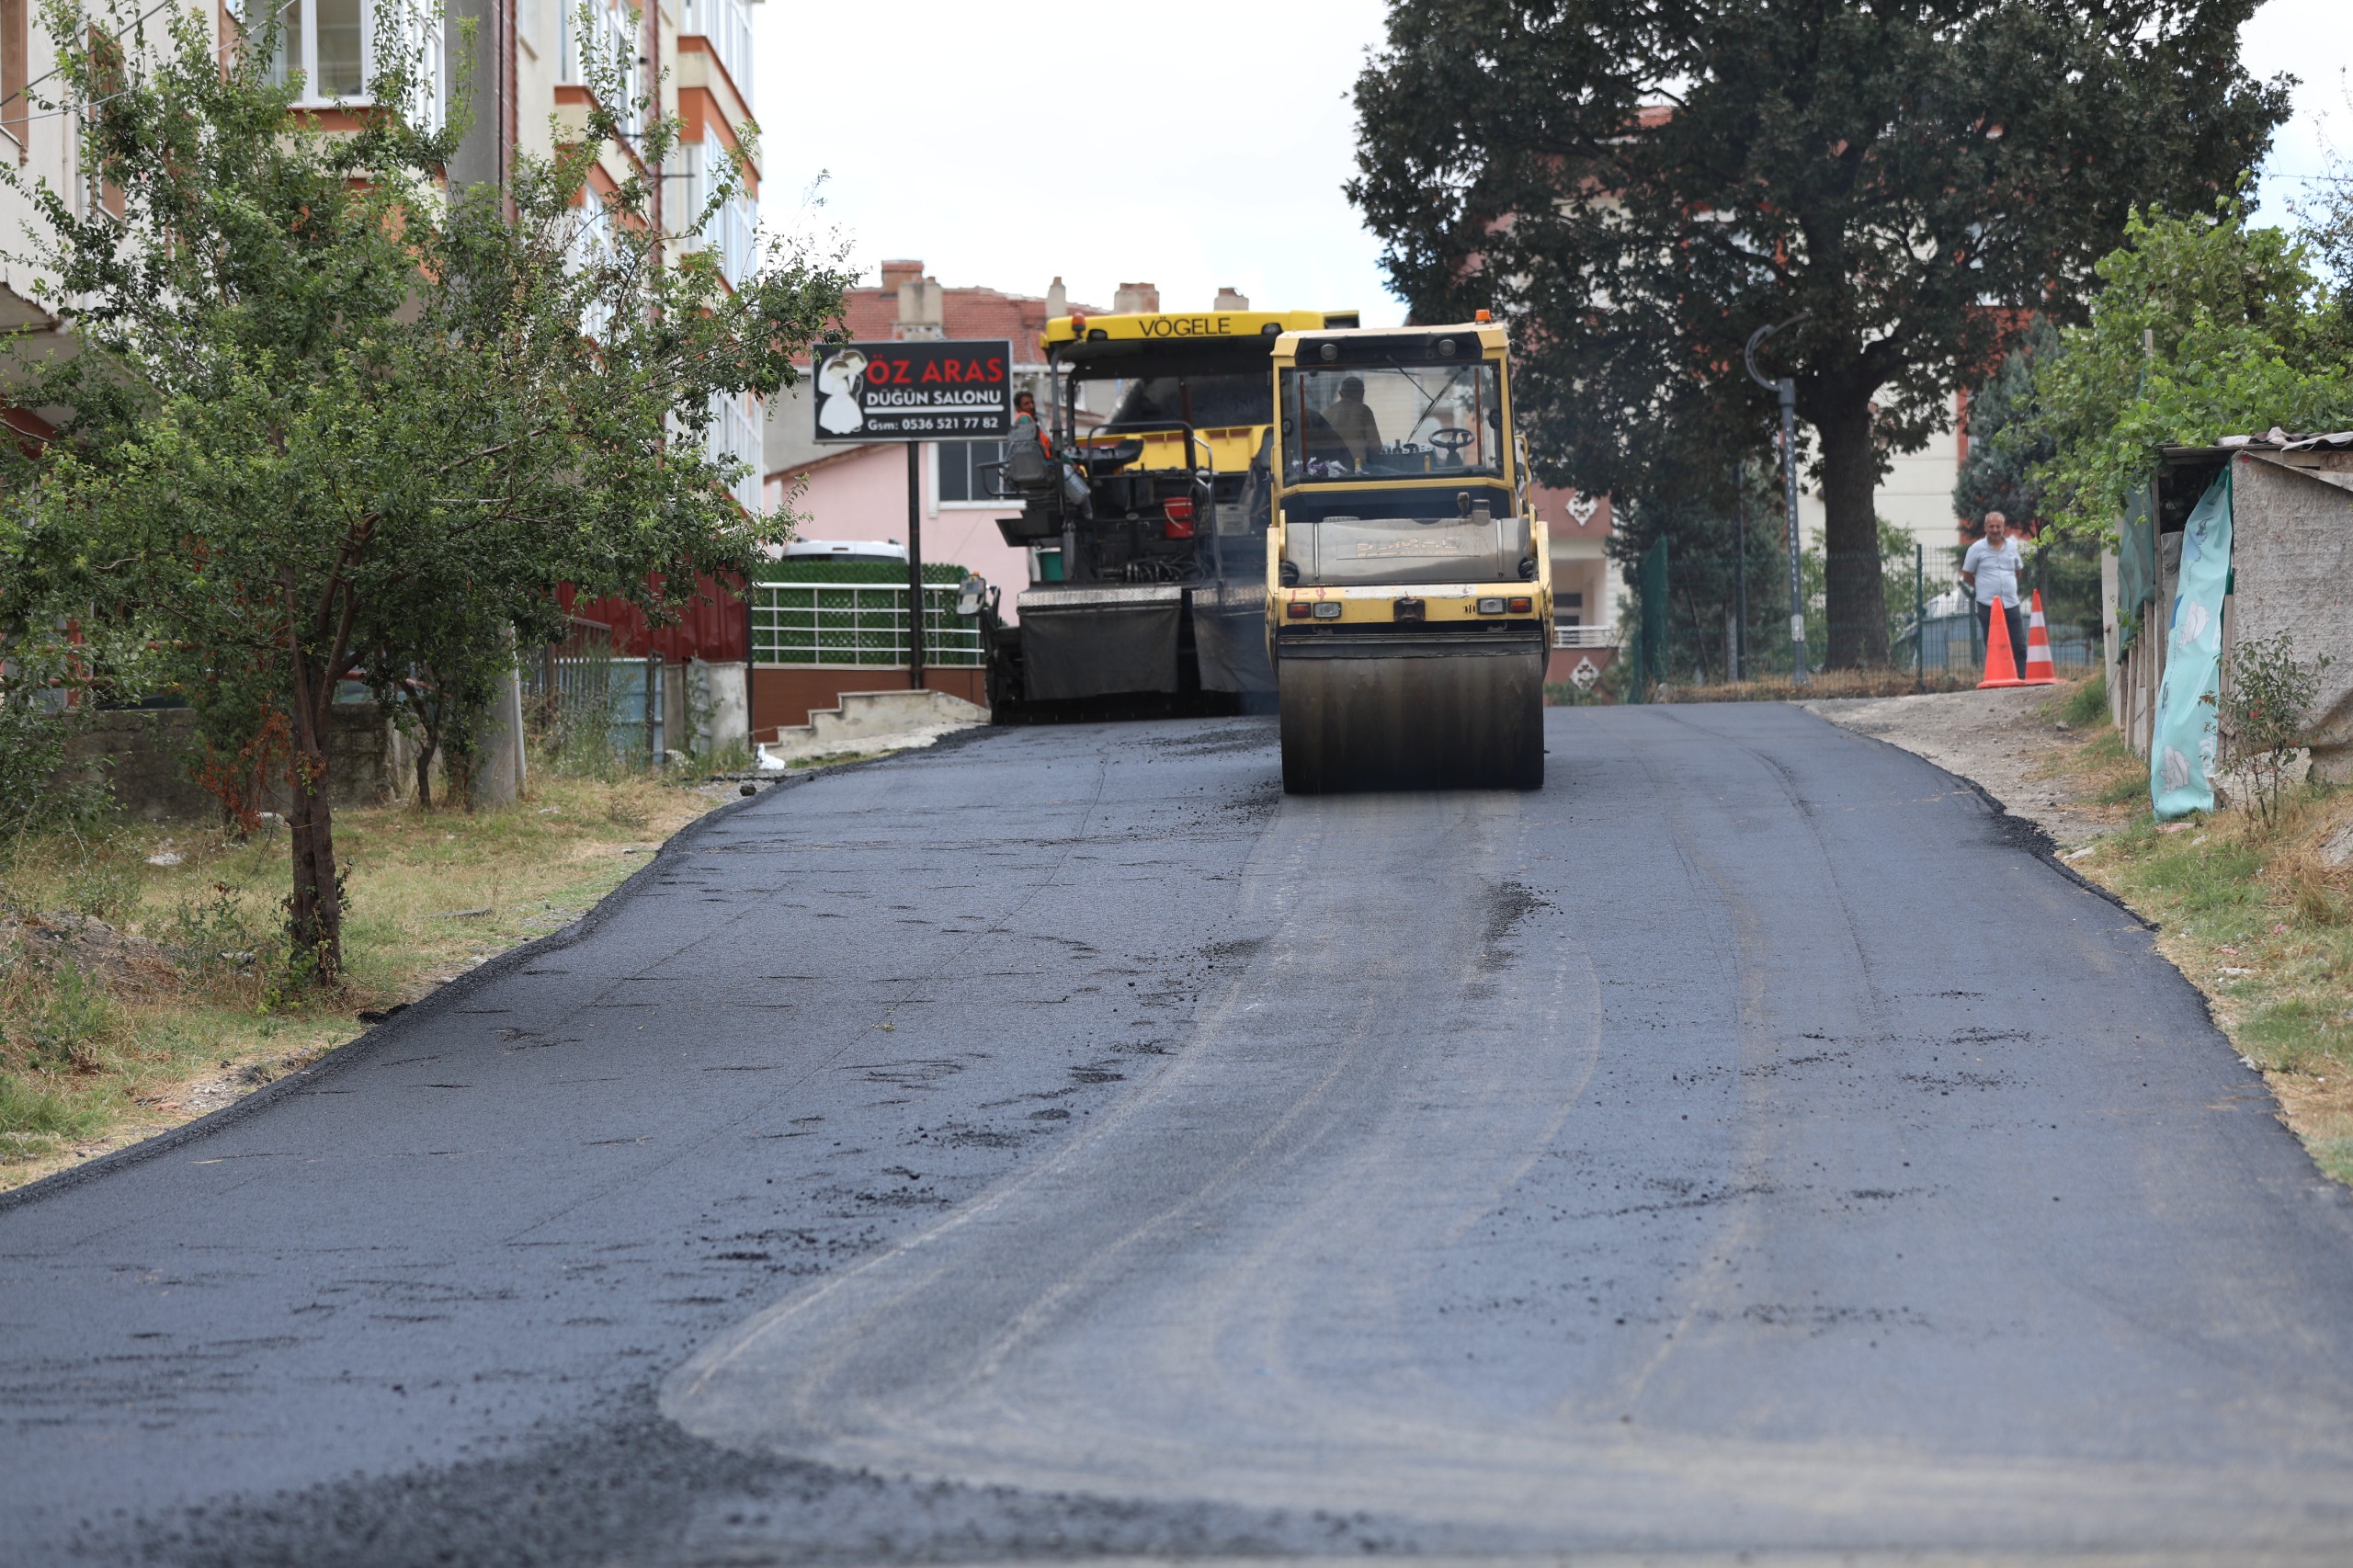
(613, 34)
(960, 463)
(728, 25)
(333, 44)
(590, 248)
(733, 436)
(732, 234)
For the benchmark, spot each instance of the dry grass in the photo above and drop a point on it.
(88, 1064)
(1828, 683)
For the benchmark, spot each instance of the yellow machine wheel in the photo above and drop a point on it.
(1428, 721)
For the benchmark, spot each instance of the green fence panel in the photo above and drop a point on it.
(813, 625)
(1650, 636)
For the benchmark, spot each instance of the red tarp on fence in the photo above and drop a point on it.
(711, 627)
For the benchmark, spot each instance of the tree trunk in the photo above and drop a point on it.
(1856, 597)
(314, 909)
(430, 747)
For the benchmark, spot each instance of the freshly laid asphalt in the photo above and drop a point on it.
(1061, 1145)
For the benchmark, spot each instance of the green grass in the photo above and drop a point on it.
(2300, 1036)
(2087, 704)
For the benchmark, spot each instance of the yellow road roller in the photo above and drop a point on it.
(1408, 581)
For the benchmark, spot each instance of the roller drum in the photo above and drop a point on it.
(1428, 722)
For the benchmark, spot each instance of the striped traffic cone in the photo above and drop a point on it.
(2039, 670)
(2001, 665)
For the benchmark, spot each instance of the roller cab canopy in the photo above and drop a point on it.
(1204, 369)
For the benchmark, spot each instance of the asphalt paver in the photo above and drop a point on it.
(1060, 1143)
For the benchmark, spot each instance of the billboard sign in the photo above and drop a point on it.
(922, 391)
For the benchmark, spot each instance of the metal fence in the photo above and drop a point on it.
(819, 624)
(577, 695)
(1703, 618)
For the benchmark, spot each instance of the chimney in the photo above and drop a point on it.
(897, 272)
(1057, 300)
(1136, 299)
(1229, 299)
(922, 309)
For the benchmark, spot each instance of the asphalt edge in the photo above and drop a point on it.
(2024, 832)
(356, 1051)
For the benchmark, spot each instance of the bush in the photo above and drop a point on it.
(2262, 715)
(215, 939)
(68, 1029)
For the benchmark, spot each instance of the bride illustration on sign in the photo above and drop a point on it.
(839, 414)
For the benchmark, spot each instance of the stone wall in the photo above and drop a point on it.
(146, 751)
(2291, 553)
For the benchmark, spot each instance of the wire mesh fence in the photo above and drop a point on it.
(1710, 618)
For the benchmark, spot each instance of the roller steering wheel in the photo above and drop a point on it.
(1451, 440)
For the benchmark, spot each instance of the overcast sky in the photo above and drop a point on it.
(1191, 147)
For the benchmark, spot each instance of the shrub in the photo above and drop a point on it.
(2264, 712)
(70, 1025)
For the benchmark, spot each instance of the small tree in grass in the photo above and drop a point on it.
(319, 398)
(2264, 712)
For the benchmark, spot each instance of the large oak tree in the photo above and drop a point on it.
(1638, 185)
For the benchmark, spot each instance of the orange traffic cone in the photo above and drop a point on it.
(2039, 670)
(2001, 665)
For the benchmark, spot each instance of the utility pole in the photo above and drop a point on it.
(1787, 391)
(1740, 569)
(915, 565)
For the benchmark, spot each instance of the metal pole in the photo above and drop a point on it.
(653, 703)
(1740, 571)
(1789, 391)
(915, 565)
(1919, 616)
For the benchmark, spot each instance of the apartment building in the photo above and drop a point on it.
(531, 93)
(859, 492)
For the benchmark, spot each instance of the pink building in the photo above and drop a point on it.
(861, 492)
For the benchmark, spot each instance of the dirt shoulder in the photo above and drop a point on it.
(2258, 914)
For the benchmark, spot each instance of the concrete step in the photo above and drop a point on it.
(871, 720)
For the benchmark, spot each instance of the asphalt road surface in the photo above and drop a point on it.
(1061, 1145)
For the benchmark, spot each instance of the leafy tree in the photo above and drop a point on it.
(317, 395)
(2005, 443)
(2202, 327)
(437, 673)
(1640, 185)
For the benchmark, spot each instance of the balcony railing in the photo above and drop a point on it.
(1583, 637)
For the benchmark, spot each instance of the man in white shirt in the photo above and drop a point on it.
(1991, 568)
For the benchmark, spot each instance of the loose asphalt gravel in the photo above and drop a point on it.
(1058, 1143)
